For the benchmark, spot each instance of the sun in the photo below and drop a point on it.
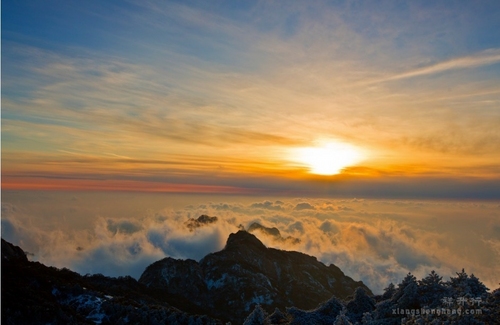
(329, 158)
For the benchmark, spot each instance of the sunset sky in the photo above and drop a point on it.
(311, 98)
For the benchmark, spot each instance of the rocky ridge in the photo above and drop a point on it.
(246, 273)
(33, 293)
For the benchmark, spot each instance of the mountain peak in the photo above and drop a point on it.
(244, 239)
(247, 273)
(11, 252)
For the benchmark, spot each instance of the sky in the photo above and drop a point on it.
(366, 129)
(224, 97)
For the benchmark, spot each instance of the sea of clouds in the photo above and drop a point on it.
(376, 241)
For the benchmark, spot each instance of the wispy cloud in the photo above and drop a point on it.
(481, 59)
(190, 84)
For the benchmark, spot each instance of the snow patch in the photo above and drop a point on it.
(90, 305)
(217, 283)
(278, 270)
(259, 300)
(55, 292)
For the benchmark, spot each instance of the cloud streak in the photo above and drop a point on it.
(481, 59)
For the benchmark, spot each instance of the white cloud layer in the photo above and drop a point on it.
(373, 240)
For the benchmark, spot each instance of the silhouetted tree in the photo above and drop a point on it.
(256, 317)
(360, 304)
(464, 286)
(389, 291)
(342, 318)
(431, 290)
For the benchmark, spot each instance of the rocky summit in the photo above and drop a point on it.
(231, 282)
(224, 286)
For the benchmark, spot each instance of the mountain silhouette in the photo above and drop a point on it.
(241, 283)
(246, 273)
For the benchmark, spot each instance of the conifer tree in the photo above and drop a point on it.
(389, 291)
(342, 318)
(464, 286)
(407, 281)
(256, 317)
(360, 304)
(431, 290)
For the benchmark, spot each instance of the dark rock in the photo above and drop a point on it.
(33, 293)
(246, 273)
(200, 222)
(11, 252)
(272, 232)
(267, 230)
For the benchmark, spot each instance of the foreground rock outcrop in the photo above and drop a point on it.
(246, 273)
(33, 293)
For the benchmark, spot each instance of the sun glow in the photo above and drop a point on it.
(328, 159)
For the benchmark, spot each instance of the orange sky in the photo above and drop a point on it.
(217, 98)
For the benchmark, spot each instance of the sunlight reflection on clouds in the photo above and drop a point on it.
(377, 241)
